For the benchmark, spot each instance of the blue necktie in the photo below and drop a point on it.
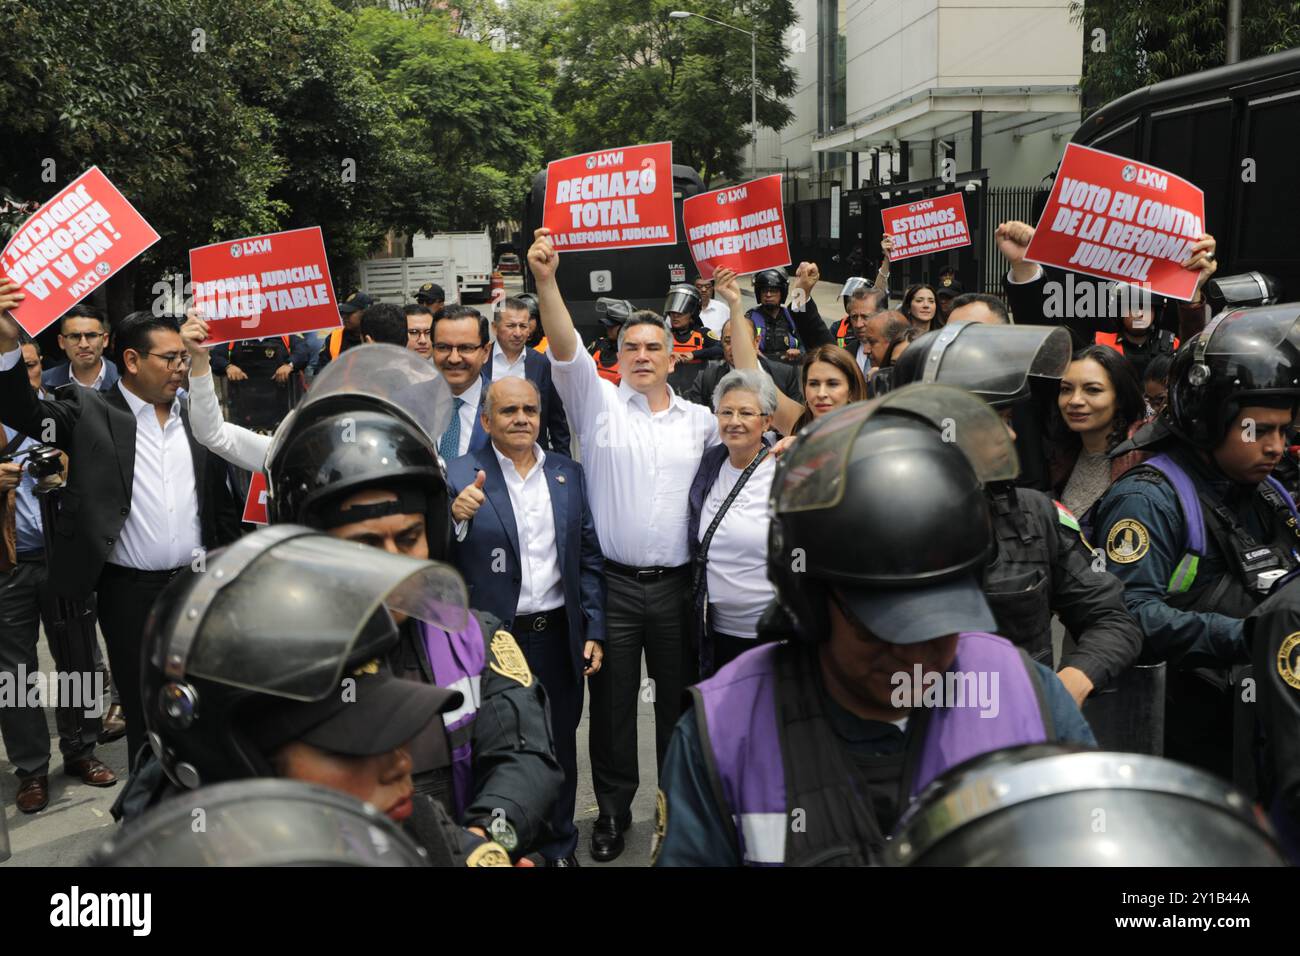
(449, 446)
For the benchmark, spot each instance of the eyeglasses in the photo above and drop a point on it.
(742, 414)
(420, 333)
(442, 348)
(174, 360)
(91, 337)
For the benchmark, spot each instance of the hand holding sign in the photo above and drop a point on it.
(1202, 257)
(10, 297)
(726, 286)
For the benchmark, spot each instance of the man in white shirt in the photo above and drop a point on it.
(712, 312)
(526, 545)
(641, 446)
(460, 347)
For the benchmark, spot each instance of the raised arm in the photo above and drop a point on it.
(543, 261)
(237, 445)
(743, 353)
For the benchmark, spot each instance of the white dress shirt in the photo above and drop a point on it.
(530, 499)
(502, 368)
(639, 463)
(739, 590)
(99, 379)
(468, 414)
(236, 444)
(162, 530)
(714, 315)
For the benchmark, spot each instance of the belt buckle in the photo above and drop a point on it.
(539, 622)
(647, 575)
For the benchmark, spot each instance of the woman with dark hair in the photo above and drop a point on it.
(1099, 405)
(921, 306)
(882, 378)
(831, 379)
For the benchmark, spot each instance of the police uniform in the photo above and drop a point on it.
(259, 402)
(694, 345)
(777, 334)
(1273, 631)
(1140, 354)
(605, 352)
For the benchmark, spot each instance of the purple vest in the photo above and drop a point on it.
(739, 725)
(457, 660)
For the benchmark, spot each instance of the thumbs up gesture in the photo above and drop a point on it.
(467, 503)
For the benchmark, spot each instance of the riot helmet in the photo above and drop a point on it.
(771, 279)
(1037, 805)
(248, 653)
(901, 479)
(370, 420)
(262, 823)
(999, 363)
(534, 309)
(1242, 358)
(682, 298)
(851, 285)
(614, 312)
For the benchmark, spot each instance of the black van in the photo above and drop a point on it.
(1235, 132)
(642, 276)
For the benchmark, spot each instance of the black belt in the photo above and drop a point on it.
(144, 577)
(541, 621)
(643, 574)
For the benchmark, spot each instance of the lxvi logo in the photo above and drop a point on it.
(103, 909)
(249, 247)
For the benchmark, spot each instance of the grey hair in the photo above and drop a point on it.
(487, 395)
(747, 380)
(646, 317)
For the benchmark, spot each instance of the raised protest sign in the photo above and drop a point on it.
(261, 286)
(613, 199)
(1119, 219)
(255, 504)
(928, 225)
(740, 227)
(72, 245)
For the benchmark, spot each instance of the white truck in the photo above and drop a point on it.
(472, 253)
(396, 280)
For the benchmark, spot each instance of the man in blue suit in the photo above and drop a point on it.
(83, 333)
(512, 356)
(526, 544)
(460, 347)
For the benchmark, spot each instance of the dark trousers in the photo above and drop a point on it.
(551, 661)
(125, 597)
(651, 617)
(727, 647)
(25, 602)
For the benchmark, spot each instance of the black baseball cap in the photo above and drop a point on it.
(903, 615)
(952, 290)
(429, 293)
(377, 713)
(356, 302)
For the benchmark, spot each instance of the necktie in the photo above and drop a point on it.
(449, 446)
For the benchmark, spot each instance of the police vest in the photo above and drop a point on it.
(457, 660)
(844, 332)
(740, 712)
(605, 353)
(260, 354)
(782, 332)
(693, 342)
(1166, 341)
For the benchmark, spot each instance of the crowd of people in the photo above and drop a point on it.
(487, 520)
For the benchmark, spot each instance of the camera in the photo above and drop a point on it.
(43, 462)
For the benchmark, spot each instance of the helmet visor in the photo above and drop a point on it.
(286, 618)
(851, 285)
(996, 361)
(685, 300)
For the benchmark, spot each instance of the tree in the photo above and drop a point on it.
(1130, 44)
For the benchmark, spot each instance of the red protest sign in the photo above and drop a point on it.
(926, 226)
(261, 286)
(71, 245)
(740, 227)
(255, 503)
(1119, 219)
(612, 199)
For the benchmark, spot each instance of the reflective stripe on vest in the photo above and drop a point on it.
(457, 661)
(750, 768)
(842, 332)
(336, 343)
(1112, 340)
(692, 344)
(609, 371)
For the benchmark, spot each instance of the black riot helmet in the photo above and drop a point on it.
(370, 420)
(614, 312)
(882, 502)
(1242, 358)
(247, 652)
(534, 310)
(999, 363)
(684, 298)
(771, 279)
(262, 823)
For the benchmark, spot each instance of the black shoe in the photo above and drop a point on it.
(571, 860)
(607, 837)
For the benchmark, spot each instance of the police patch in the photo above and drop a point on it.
(488, 854)
(1287, 667)
(1127, 542)
(508, 660)
(661, 826)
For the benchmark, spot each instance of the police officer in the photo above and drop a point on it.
(349, 334)
(431, 294)
(268, 662)
(613, 313)
(798, 752)
(693, 344)
(536, 334)
(1200, 532)
(1043, 564)
(1139, 339)
(268, 373)
(352, 462)
(1273, 634)
(776, 324)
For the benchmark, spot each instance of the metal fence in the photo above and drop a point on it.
(1005, 203)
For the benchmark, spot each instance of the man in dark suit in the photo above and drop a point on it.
(511, 356)
(460, 347)
(526, 544)
(785, 377)
(142, 499)
(83, 333)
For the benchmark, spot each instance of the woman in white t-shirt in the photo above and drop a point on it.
(732, 588)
